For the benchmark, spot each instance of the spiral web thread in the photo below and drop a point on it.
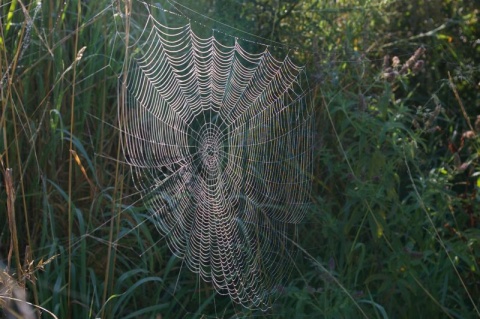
(219, 142)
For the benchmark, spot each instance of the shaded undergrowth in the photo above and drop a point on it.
(393, 229)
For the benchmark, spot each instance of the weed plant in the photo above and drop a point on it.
(393, 229)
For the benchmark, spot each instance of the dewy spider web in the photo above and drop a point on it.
(219, 142)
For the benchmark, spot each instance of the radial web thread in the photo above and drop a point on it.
(218, 138)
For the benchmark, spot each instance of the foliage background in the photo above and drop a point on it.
(393, 231)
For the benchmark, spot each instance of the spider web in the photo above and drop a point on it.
(218, 138)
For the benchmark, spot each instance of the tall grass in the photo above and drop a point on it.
(393, 229)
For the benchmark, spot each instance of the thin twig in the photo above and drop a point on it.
(454, 89)
(11, 221)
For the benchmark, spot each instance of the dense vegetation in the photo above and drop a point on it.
(394, 226)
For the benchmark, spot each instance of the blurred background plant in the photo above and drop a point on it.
(393, 231)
